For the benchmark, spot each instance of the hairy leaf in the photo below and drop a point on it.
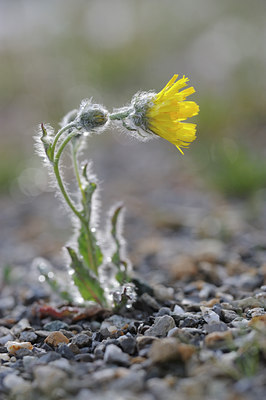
(121, 275)
(88, 285)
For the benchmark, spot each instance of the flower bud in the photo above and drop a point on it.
(91, 117)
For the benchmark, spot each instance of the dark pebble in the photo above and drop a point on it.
(76, 328)
(84, 350)
(189, 322)
(99, 351)
(81, 340)
(84, 357)
(48, 357)
(55, 326)
(127, 344)
(97, 336)
(2, 349)
(65, 351)
(46, 347)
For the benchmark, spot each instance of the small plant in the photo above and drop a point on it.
(99, 268)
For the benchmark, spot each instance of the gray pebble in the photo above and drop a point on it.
(163, 311)
(114, 355)
(28, 336)
(55, 326)
(48, 357)
(161, 326)
(128, 344)
(81, 340)
(65, 351)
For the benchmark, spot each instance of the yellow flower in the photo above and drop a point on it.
(168, 109)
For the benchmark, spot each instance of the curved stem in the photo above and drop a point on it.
(59, 179)
(57, 136)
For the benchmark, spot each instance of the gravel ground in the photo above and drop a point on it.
(196, 330)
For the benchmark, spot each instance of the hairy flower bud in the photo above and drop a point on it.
(91, 117)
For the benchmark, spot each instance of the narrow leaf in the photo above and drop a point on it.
(88, 285)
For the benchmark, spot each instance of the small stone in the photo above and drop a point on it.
(4, 357)
(13, 347)
(209, 316)
(55, 326)
(228, 315)
(47, 378)
(65, 351)
(74, 348)
(191, 321)
(149, 301)
(15, 383)
(178, 310)
(258, 320)
(114, 355)
(219, 327)
(84, 357)
(22, 353)
(143, 341)
(163, 311)
(28, 336)
(163, 293)
(161, 326)
(28, 362)
(170, 349)
(81, 340)
(6, 338)
(55, 338)
(218, 339)
(249, 302)
(21, 326)
(128, 344)
(48, 357)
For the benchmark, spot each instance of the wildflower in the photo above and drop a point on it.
(162, 114)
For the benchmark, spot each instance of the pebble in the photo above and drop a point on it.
(178, 310)
(55, 326)
(56, 337)
(170, 349)
(209, 316)
(13, 347)
(228, 315)
(48, 378)
(16, 384)
(48, 357)
(161, 326)
(65, 351)
(81, 340)
(163, 311)
(143, 341)
(128, 344)
(218, 339)
(114, 355)
(28, 336)
(6, 338)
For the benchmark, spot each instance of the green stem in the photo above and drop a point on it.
(59, 179)
(59, 133)
(120, 115)
(86, 223)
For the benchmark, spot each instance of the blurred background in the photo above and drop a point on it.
(55, 53)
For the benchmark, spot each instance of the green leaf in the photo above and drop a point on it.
(88, 285)
(89, 249)
(121, 275)
(47, 145)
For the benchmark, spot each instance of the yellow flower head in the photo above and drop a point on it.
(169, 109)
(162, 114)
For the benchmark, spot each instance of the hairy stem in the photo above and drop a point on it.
(85, 221)
(59, 179)
(57, 136)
